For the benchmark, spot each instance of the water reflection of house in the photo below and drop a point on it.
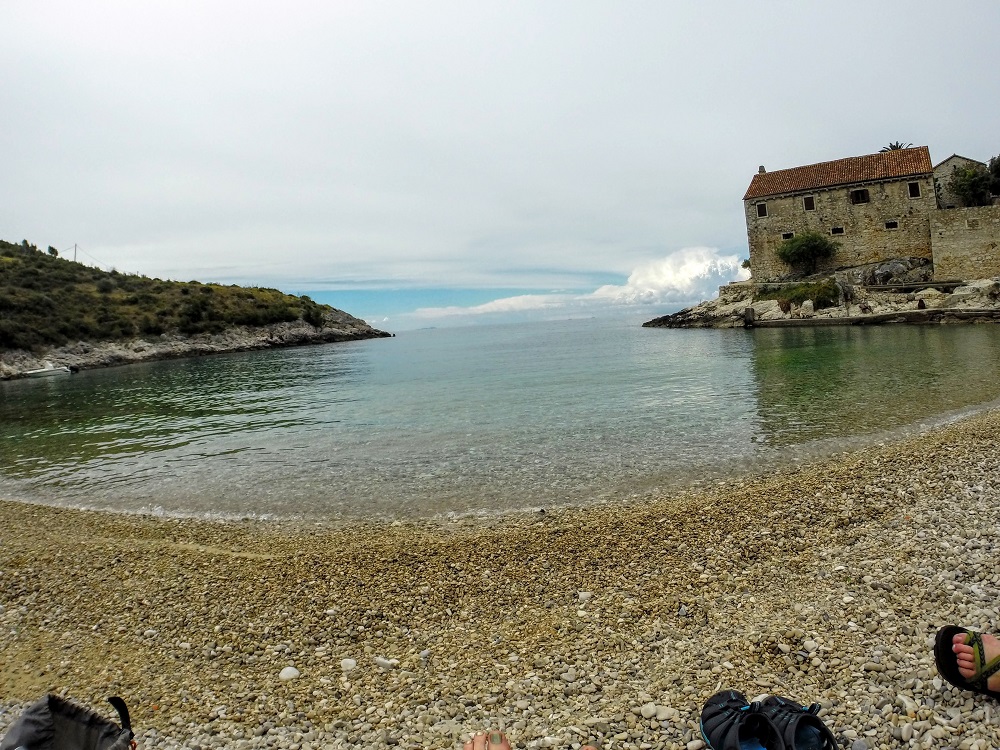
(876, 207)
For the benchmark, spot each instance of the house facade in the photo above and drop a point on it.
(875, 207)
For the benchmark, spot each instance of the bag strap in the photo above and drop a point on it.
(122, 709)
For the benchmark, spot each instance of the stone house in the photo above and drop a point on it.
(876, 207)
(942, 179)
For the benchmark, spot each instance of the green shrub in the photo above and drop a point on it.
(804, 251)
(313, 315)
(971, 184)
(824, 293)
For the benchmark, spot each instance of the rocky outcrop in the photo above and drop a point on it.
(737, 306)
(338, 326)
(893, 271)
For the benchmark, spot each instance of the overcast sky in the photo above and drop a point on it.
(430, 163)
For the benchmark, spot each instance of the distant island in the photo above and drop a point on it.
(58, 313)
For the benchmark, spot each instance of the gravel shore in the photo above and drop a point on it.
(821, 583)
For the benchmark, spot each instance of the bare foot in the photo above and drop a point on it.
(495, 740)
(492, 740)
(966, 657)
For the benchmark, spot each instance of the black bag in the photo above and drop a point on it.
(54, 723)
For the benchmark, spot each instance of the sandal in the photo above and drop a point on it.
(947, 665)
(799, 726)
(728, 722)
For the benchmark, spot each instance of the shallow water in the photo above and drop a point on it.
(476, 419)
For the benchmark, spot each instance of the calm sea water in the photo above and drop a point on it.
(476, 419)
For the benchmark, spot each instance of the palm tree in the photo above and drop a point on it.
(894, 146)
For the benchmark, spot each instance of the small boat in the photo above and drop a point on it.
(44, 372)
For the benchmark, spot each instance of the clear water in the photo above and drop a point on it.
(475, 419)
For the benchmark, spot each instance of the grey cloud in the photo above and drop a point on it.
(445, 142)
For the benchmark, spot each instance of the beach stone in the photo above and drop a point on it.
(922, 511)
(346, 665)
(288, 673)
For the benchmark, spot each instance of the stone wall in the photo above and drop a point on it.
(966, 243)
(864, 231)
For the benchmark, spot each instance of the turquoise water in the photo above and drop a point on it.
(476, 419)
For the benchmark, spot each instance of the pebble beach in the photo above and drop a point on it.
(822, 582)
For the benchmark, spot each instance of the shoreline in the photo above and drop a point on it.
(738, 305)
(822, 582)
(86, 355)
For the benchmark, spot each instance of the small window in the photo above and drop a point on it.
(914, 188)
(837, 230)
(787, 235)
(892, 224)
(859, 196)
(761, 209)
(809, 203)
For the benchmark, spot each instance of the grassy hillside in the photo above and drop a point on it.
(48, 301)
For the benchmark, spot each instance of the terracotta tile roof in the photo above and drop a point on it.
(903, 162)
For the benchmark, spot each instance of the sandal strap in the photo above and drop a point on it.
(992, 668)
(984, 669)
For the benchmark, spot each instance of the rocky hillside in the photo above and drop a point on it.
(338, 326)
(896, 292)
(65, 314)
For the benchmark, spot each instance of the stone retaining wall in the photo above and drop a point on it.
(965, 242)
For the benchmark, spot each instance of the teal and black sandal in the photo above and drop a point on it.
(728, 722)
(800, 726)
(947, 665)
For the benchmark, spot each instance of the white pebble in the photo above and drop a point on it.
(346, 665)
(288, 673)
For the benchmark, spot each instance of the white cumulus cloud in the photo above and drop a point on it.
(682, 278)
(691, 271)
